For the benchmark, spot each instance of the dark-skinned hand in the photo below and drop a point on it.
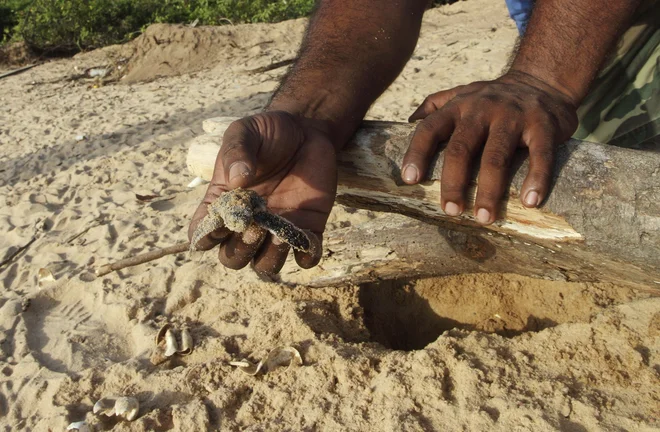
(490, 119)
(290, 162)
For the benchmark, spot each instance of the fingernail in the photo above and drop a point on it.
(532, 199)
(483, 216)
(452, 209)
(410, 174)
(238, 169)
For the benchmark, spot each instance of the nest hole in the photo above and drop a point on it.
(410, 314)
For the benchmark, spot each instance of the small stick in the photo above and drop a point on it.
(141, 259)
(17, 252)
(19, 70)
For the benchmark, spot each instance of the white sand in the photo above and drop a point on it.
(593, 366)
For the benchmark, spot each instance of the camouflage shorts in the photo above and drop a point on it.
(623, 105)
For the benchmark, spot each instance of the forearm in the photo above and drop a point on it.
(567, 42)
(352, 52)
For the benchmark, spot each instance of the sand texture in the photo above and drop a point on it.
(93, 171)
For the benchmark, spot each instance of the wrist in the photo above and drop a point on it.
(546, 83)
(323, 109)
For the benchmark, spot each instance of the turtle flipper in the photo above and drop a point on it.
(209, 224)
(284, 230)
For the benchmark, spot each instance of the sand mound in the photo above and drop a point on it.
(167, 50)
(470, 352)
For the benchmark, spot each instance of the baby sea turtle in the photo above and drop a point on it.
(238, 209)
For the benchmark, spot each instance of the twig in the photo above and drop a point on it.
(98, 221)
(11, 257)
(272, 66)
(19, 70)
(141, 259)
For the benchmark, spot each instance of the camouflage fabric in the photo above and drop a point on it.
(623, 105)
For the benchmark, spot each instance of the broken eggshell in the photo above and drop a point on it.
(161, 333)
(277, 357)
(197, 181)
(81, 426)
(105, 406)
(248, 367)
(186, 342)
(171, 346)
(281, 357)
(125, 407)
(44, 276)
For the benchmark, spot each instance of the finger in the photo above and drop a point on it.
(541, 143)
(312, 223)
(461, 149)
(424, 144)
(238, 154)
(494, 170)
(433, 103)
(271, 257)
(238, 250)
(310, 259)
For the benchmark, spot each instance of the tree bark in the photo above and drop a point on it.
(601, 221)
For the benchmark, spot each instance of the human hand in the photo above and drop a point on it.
(490, 118)
(290, 162)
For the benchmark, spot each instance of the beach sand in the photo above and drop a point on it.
(467, 352)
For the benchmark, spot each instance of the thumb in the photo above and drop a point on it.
(238, 154)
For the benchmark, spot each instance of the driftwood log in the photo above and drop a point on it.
(600, 223)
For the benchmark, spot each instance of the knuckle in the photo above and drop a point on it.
(236, 127)
(542, 126)
(496, 159)
(515, 108)
(490, 98)
(544, 156)
(458, 148)
(232, 149)
(474, 86)
(233, 137)
(417, 153)
(540, 178)
(429, 104)
(426, 127)
(541, 175)
(488, 194)
(452, 190)
(506, 130)
(552, 119)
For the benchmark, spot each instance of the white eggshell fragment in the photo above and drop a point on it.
(283, 356)
(44, 276)
(248, 367)
(171, 346)
(80, 426)
(161, 333)
(196, 182)
(127, 407)
(186, 342)
(105, 406)
(277, 357)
